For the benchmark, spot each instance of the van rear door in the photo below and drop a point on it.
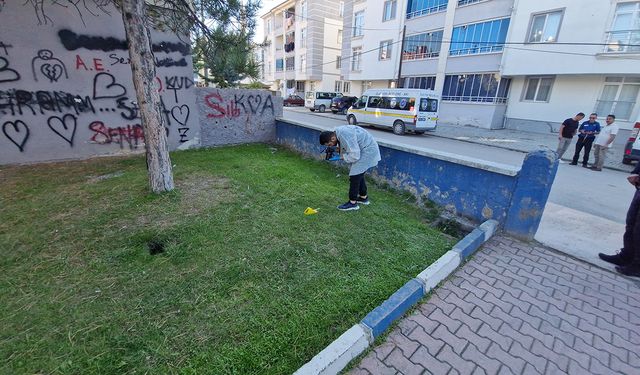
(427, 114)
(309, 99)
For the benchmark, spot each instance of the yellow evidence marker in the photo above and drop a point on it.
(310, 211)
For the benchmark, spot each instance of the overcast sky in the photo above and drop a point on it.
(266, 6)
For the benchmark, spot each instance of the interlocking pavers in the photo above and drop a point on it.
(518, 308)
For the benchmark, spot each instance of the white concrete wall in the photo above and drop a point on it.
(488, 116)
(583, 21)
(569, 95)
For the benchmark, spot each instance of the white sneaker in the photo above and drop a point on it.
(560, 161)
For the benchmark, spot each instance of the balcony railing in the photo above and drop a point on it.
(476, 50)
(623, 41)
(425, 11)
(474, 99)
(419, 56)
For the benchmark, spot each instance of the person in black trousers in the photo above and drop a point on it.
(627, 261)
(586, 135)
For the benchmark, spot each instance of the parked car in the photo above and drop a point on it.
(632, 147)
(399, 109)
(341, 104)
(320, 100)
(294, 101)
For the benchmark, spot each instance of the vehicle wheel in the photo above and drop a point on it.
(398, 127)
(322, 108)
(312, 109)
(351, 119)
(334, 112)
(626, 161)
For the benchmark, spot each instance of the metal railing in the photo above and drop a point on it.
(474, 99)
(424, 12)
(419, 56)
(622, 41)
(476, 50)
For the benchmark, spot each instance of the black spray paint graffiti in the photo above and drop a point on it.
(51, 67)
(19, 102)
(181, 115)
(7, 74)
(72, 41)
(175, 83)
(64, 127)
(106, 87)
(17, 132)
(160, 63)
(3, 47)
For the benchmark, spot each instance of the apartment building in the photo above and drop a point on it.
(552, 79)
(454, 47)
(304, 40)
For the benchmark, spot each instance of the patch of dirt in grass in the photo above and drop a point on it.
(197, 194)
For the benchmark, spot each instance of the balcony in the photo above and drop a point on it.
(622, 41)
(409, 56)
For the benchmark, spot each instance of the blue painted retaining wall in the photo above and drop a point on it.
(514, 197)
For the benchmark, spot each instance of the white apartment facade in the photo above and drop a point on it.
(553, 79)
(303, 46)
(454, 47)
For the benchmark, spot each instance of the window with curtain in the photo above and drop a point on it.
(422, 46)
(624, 34)
(483, 37)
(545, 27)
(355, 58)
(537, 89)
(420, 82)
(619, 96)
(385, 50)
(358, 23)
(478, 88)
(389, 10)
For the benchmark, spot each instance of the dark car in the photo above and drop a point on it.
(293, 100)
(342, 103)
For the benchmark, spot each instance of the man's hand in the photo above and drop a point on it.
(634, 179)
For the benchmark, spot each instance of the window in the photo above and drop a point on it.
(291, 83)
(341, 9)
(290, 63)
(537, 89)
(347, 87)
(358, 23)
(303, 63)
(479, 88)
(618, 97)
(467, 2)
(425, 83)
(269, 26)
(544, 27)
(422, 46)
(338, 62)
(375, 102)
(340, 37)
(428, 105)
(417, 8)
(338, 86)
(389, 11)
(385, 50)
(355, 59)
(303, 38)
(313, 86)
(300, 86)
(481, 37)
(398, 103)
(303, 10)
(279, 65)
(624, 35)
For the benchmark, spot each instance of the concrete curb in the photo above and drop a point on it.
(335, 357)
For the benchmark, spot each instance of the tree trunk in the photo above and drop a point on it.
(144, 72)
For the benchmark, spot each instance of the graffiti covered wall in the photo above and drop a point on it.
(66, 89)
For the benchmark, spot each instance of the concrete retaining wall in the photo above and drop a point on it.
(515, 197)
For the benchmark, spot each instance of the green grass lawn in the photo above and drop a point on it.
(246, 283)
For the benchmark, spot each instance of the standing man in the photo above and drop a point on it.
(586, 135)
(359, 148)
(603, 142)
(628, 259)
(565, 134)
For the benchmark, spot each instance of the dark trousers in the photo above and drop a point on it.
(357, 186)
(585, 142)
(631, 250)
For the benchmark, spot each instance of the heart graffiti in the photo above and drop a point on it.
(257, 99)
(180, 114)
(106, 87)
(53, 72)
(17, 132)
(64, 127)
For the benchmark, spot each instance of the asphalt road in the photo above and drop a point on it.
(586, 210)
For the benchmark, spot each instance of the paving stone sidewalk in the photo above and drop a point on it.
(518, 308)
(523, 141)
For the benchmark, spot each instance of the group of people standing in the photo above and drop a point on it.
(590, 133)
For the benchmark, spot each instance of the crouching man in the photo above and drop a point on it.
(358, 148)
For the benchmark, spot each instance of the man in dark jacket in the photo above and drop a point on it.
(627, 261)
(586, 135)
